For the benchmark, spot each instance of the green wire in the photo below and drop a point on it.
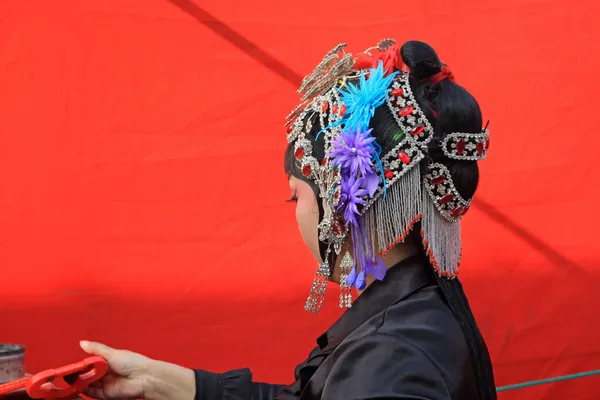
(549, 380)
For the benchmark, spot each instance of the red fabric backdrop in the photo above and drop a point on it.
(142, 192)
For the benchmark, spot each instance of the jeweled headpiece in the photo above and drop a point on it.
(371, 198)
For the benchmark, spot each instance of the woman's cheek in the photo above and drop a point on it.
(307, 216)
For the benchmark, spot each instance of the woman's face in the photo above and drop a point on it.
(307, 215)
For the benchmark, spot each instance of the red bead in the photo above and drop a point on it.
(335, 109)
(437, 180)
(299, 153)
(343, 110)
(388, 174)
(480, 148)
(456, 212)
(324, 162)
(338, 228)
(336, 195)
(460, 146)
(404, 157)
(306, 170)
(417, 129)
(397, 92)
(446, 199)
(406, 111)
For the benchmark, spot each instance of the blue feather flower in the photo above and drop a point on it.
(361, 100)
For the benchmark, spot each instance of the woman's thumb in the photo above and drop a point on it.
(96, 349)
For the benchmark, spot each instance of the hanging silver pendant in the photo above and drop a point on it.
(317, 291)
(346, 290)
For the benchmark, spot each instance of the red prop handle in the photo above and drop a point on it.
(67, 382)
(14, 385)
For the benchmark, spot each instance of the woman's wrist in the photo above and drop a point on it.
(165, 381)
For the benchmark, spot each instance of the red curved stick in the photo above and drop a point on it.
(51, 384)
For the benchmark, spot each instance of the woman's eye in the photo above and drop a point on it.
(293, 199)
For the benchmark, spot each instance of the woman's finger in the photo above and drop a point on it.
(97, 349)
(95, 392)
(96, 385)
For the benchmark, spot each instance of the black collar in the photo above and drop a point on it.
(400, 281)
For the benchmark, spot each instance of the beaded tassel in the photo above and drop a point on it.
(346, 290)
(317, 291)
(441, 239)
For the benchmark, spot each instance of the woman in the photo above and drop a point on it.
(385, 146)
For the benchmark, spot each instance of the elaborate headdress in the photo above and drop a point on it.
(370, 197)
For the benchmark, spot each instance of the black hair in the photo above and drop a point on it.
(449, 108)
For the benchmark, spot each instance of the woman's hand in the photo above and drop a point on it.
(128, 374)
(133, 376)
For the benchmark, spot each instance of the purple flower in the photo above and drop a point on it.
(371, 182)
(351, 278)
(368, 266)
(361, 276)
(361, 279)
(350, 198)
(376, 268)
(352, 150)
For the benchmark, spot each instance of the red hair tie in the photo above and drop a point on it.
(444, 74)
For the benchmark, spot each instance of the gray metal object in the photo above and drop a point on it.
(12, 362)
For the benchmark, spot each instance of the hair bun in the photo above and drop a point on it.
(422, 60)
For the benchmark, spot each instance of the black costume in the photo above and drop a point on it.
(400, 340)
